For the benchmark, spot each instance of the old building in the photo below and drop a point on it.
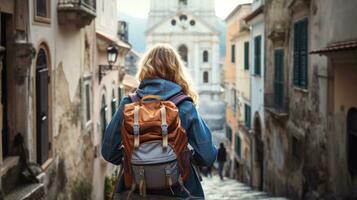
(44, 123)
(191, 28)
(310, 104)
(108, 88)
(256, 109)
(237, 91)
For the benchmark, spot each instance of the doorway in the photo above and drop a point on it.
(259, 149)
(42, 133)
(4, 85)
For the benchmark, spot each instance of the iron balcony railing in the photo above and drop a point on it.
(276, 103)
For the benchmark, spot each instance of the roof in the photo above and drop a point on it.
(110, 39)
(337, 47)
(255, 13)
(239, 6)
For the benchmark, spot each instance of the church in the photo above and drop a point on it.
(190, 26)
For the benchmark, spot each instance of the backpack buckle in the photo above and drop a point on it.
(136, 129)
(164, 129)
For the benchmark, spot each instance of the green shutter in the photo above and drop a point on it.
(296, 55)
(257, 55)
(303, 53)
(246, 55)
(279, 77)
(247, 115)
(237, 146)
(233, 56)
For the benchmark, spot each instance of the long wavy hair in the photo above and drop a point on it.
(162, 61)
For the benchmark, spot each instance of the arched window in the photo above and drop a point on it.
(183, 51)
(205, 56)
(352, 140)
(103, 115)
(205, 77)
(113, 103)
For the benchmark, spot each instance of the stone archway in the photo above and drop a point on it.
(258, 166)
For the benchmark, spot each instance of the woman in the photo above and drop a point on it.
(161, 73)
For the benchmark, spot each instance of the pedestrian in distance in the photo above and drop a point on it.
(150, 132)
(221, 158)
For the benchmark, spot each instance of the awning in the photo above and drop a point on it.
(337, 47)
(110, 39)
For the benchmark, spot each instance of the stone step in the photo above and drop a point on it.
(35, 191)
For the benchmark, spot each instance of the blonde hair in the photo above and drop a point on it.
(162, 61)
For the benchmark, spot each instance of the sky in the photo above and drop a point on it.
(140, 8)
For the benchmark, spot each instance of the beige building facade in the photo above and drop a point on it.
(237, 87)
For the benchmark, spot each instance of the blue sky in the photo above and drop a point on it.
(140, 8)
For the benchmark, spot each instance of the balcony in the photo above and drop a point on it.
(277, 105)
(79, 13)
(123, 30)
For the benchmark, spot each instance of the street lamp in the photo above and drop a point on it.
(112, 54)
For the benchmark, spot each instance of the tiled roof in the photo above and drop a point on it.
(338, 46)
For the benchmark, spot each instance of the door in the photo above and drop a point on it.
(42, 108)
(4, 88)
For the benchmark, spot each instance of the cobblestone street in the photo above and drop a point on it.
(230, 189)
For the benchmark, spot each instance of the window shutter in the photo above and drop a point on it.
(257, 55)
(233, 57)
(296, 54)
(279, 77)
(303, 54)
(238, 146)
(246, 55)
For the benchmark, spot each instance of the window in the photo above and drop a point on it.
(257, 54)
(300, 53)
(229, 133)
(182, 3)
(88, 103)
(246, 55)
(113, 103)
(192, 22)
(237, 146)
(103, 116)
(233, 53)
(279, 77)
(205, 56)
(352, 141)
(183, 17)
(205, 77)
(183, 52)
(247, 117)
(42, 11)
(233, 99)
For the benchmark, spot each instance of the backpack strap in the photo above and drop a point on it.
(134, 97)
(179, 98)
(176, 99)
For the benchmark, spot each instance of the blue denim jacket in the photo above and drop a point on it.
(199, 135)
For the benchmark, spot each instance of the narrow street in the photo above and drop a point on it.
(231, 189)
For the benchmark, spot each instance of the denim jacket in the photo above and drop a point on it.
(199, 135)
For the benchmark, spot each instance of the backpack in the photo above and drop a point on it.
(156, 154)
